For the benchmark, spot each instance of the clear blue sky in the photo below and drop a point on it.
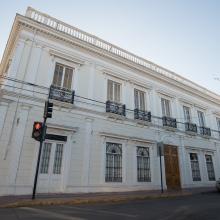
(181, 35)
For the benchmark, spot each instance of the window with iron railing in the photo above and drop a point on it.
(63, 76)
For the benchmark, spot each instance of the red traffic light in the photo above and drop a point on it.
(38, 125)
(37, 131)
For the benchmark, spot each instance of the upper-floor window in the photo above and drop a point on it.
(187, 114)
(114, 91)
(218, 124)
(63, 76)
(201, 117)
(139, 99)
(165, 104)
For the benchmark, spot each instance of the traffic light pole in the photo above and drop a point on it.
(38, 159)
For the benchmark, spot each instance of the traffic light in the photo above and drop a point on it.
(48, 109)
(37, 131)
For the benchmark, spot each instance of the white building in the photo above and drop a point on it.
(93, 145)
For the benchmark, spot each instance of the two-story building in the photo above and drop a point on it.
(111, 108)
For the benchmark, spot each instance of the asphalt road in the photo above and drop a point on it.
(196, 207)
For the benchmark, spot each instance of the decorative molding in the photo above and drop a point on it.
(67, 57)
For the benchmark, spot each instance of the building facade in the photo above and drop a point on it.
(106, 139)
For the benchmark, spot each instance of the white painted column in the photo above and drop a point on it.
(87, 153)
(182, 163)
(16, 144)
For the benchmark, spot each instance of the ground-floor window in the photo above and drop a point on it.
(210, 167)
(143, 164)
(195, 167)
(52, 154)
(113, 162)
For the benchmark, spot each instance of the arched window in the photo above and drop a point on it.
(143, 164)
(113, 162)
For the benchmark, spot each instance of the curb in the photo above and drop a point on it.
(78, 201)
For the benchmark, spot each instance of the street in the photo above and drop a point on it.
(201, 207)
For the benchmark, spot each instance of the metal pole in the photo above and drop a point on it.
(38, 159)
(161, 171)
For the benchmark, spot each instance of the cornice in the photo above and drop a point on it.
(28, 22)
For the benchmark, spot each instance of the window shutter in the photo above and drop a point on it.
(110, 90)
(136, 99)
(142, 101)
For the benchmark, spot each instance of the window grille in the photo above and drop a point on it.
(45, 159)
(58, 159)
(113, 162)
(143, 164)
(210, 167)
(195, 167)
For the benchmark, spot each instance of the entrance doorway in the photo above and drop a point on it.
(172, 167)
(50, 170)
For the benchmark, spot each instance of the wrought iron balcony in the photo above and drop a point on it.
(169, 122)
(115, 108)
(205, 131)
(190, 127)
(142, 115)
(61, 94)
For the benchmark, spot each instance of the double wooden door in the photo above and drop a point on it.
(172, 167)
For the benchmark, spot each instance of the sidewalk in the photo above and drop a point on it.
(85, 198)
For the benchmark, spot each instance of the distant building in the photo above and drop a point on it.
(107, 139)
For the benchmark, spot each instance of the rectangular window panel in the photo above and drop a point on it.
(114, 91)
(187, 115)
(113, 162)
(143, 164)
(45, 159)
(58, 159)
(110, 90)
(210, 167)
(195, 167)
(201, 119)
(218, 125)
(139, 99)
(58, 75)
(165, 104)
(68, 78)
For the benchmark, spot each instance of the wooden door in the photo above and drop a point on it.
(172, 167)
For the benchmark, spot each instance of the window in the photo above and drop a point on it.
(114, 91)
(45, 159)
(58, 159)
(187, 115)
(143, 164)
(139, 99)
(63, 76)
(210, 167)
(113, 162)
(218, 125)
(165, 107)
(195, 167)
(201, 119)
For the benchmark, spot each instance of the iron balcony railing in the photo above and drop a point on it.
(205, 131)
(190, 127)
(61, 94)
(169, 122)
(116, 108)
(142, 115)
